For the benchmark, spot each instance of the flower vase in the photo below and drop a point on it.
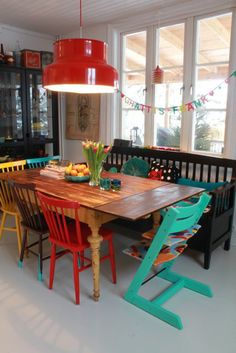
(96, 154)
(95, 175)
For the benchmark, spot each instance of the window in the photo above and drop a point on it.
(133, 84)
(211, 68)
(170, 52)
(195, 57)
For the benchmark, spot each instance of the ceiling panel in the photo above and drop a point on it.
(60, 17)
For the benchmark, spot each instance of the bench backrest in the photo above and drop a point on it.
(192, 166)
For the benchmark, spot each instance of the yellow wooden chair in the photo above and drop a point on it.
(12, 166)
(7, 203)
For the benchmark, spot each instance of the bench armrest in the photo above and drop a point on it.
(223, 199)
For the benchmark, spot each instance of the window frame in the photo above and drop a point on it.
(194, 79)
(189, 77)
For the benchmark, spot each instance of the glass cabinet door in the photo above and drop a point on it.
(40, 109)
(11, 116)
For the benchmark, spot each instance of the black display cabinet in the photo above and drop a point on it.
(28, 114)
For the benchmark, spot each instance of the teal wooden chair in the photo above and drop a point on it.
(136, 166)
(40, 162)
(178, 225)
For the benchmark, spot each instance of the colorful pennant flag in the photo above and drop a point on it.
(193, 105)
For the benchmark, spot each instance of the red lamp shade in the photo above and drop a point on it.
(158, 75)
(80, 66)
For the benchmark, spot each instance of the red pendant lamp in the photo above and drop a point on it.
(158, 75)
(80, 66)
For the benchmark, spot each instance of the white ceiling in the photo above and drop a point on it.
(62, 16)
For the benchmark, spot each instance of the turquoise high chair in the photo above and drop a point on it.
(178, 225)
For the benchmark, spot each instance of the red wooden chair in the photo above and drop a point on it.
(72, 237)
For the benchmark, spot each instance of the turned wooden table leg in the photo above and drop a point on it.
(95, 219)
(156, 223)
(95, 241)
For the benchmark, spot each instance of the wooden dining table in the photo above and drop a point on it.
(137, 198)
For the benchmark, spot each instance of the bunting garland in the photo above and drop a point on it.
(193, 105)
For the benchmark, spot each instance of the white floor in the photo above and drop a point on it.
(34, 319)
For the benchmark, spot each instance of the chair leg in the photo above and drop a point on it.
(26, 245)
(227, 244)
(207, 260)
(112, 260)
(76, 277)
(23, 245)
(81, 259)
(155, 310)
(40, 259)
(4, 215)
(52, 265)
(18, 232)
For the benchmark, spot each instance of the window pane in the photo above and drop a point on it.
(135, 51)
(214, 39)
(208, 79)
(133, 126)
(11, 116)
(167, 124)
(167, 128)
(134, 87)
(212, 68)
(209, 131)
(171, 44)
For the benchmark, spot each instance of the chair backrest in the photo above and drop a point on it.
(40, 162)
(178, 219)
(28, 206)
(12, 166)
(122, 143)
(55, 212)
(6, 196)
(136, 166)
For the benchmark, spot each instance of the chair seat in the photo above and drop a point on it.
(172, 248)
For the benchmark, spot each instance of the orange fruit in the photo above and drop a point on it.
(80, 174)
(86, 171)
(81, 167)
(75, 167)
(73, 172)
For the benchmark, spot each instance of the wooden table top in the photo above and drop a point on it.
(137, 197)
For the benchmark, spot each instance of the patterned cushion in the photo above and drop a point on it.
(173, 247)
(164, 173)
(155, 174)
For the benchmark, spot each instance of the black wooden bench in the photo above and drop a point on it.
(217, 223)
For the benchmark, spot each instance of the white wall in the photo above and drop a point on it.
(27, 39)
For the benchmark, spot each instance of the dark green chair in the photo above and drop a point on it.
(136, 166)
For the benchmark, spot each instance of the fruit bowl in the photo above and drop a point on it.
(77, 179)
